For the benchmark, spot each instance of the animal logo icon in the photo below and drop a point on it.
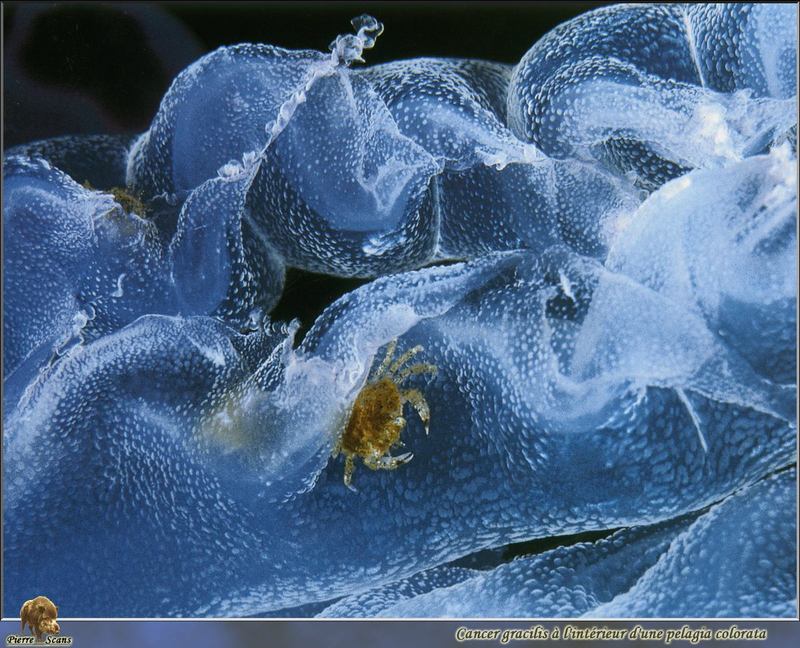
(40, 615)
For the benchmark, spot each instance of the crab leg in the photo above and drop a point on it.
(349, 466)
(388, 462)
(414, 370)
(405, 358)
(386, 360)
(418, 402)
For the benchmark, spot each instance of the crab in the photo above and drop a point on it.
(376, 418)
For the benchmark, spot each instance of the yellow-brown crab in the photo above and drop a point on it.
(376, 419)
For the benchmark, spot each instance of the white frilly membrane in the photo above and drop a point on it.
(695, 126)
(346, 49)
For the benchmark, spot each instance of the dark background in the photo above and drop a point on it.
(103, 67)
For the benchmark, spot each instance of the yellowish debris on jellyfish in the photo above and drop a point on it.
(130, 202)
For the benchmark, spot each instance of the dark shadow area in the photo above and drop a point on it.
(307, 294)
(499, 31)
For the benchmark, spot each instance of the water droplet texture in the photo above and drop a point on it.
(611, 349)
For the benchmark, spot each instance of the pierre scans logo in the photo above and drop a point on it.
(39, 616)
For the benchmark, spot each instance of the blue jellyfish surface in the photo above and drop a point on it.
(653, 90)
(654, 570)
(577, 316)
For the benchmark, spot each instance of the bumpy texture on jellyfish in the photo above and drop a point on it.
(76, 262)
(494, 192)
(368, 171)
(539, 430)
(603, 359)
(326, 173)
(359, 172)
(654, 90)
(692, 566)
(82, 261)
